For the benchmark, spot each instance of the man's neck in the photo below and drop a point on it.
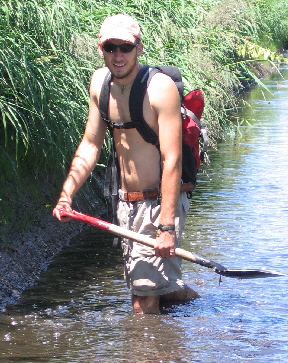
(124, 83)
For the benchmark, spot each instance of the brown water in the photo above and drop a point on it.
(80, 309)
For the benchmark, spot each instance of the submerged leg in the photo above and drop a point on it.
(185, 294)
(145, 304)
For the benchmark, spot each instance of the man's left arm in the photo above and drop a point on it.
(167, 107)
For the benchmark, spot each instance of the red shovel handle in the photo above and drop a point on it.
(96, 222)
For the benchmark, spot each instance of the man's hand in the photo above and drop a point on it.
(62, 204)
(165, 244)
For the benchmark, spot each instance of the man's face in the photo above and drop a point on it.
(121, 62)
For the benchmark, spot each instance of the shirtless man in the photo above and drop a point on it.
(150, 273)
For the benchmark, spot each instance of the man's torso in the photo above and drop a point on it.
(139, 161)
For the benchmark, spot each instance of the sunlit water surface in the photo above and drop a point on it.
(80, 309)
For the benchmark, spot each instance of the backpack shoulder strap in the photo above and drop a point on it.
(138, 92)
(104, 96)
(136, 99)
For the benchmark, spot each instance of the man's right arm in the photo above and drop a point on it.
(87, 153)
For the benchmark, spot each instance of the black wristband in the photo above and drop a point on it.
(165, 228)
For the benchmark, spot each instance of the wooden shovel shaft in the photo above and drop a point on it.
(119, 231)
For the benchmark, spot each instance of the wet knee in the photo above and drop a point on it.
(185, 294)
(145, 304)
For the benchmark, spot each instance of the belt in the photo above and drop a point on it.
(149, 194)
(139, 196)
(186, 187)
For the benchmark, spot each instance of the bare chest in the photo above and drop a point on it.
(119, 106)
(139, 160)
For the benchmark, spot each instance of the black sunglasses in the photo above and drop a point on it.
(124, 48)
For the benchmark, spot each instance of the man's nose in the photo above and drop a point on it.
(118, 54)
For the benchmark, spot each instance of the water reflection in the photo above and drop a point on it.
(80, 310)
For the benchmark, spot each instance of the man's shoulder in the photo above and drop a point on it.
(161, 79)
(161, 84)
(100, 73)
(97, 79)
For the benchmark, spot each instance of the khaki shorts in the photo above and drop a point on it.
(146, 274)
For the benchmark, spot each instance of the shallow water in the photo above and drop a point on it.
(80, 309)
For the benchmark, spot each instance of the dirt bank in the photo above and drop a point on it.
(30, 254)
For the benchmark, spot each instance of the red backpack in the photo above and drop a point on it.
(192, 129)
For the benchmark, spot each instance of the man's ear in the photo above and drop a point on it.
(139, 49)
(100, 50)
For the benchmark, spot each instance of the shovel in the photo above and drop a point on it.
(186, 255)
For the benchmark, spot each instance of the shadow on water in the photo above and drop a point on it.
(80, 310)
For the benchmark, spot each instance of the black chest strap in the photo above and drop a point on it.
(136, 99)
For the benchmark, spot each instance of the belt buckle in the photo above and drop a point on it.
(148, 193)
(126, 196)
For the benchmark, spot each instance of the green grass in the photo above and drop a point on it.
(49, 50)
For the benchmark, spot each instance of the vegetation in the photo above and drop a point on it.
(49, 50)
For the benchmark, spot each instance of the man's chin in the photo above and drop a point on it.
(119, 72)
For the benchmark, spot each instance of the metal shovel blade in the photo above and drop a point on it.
(248, 274)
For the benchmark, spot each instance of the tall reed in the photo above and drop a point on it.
(49, 50)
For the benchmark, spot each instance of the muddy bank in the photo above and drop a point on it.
(30, 254)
